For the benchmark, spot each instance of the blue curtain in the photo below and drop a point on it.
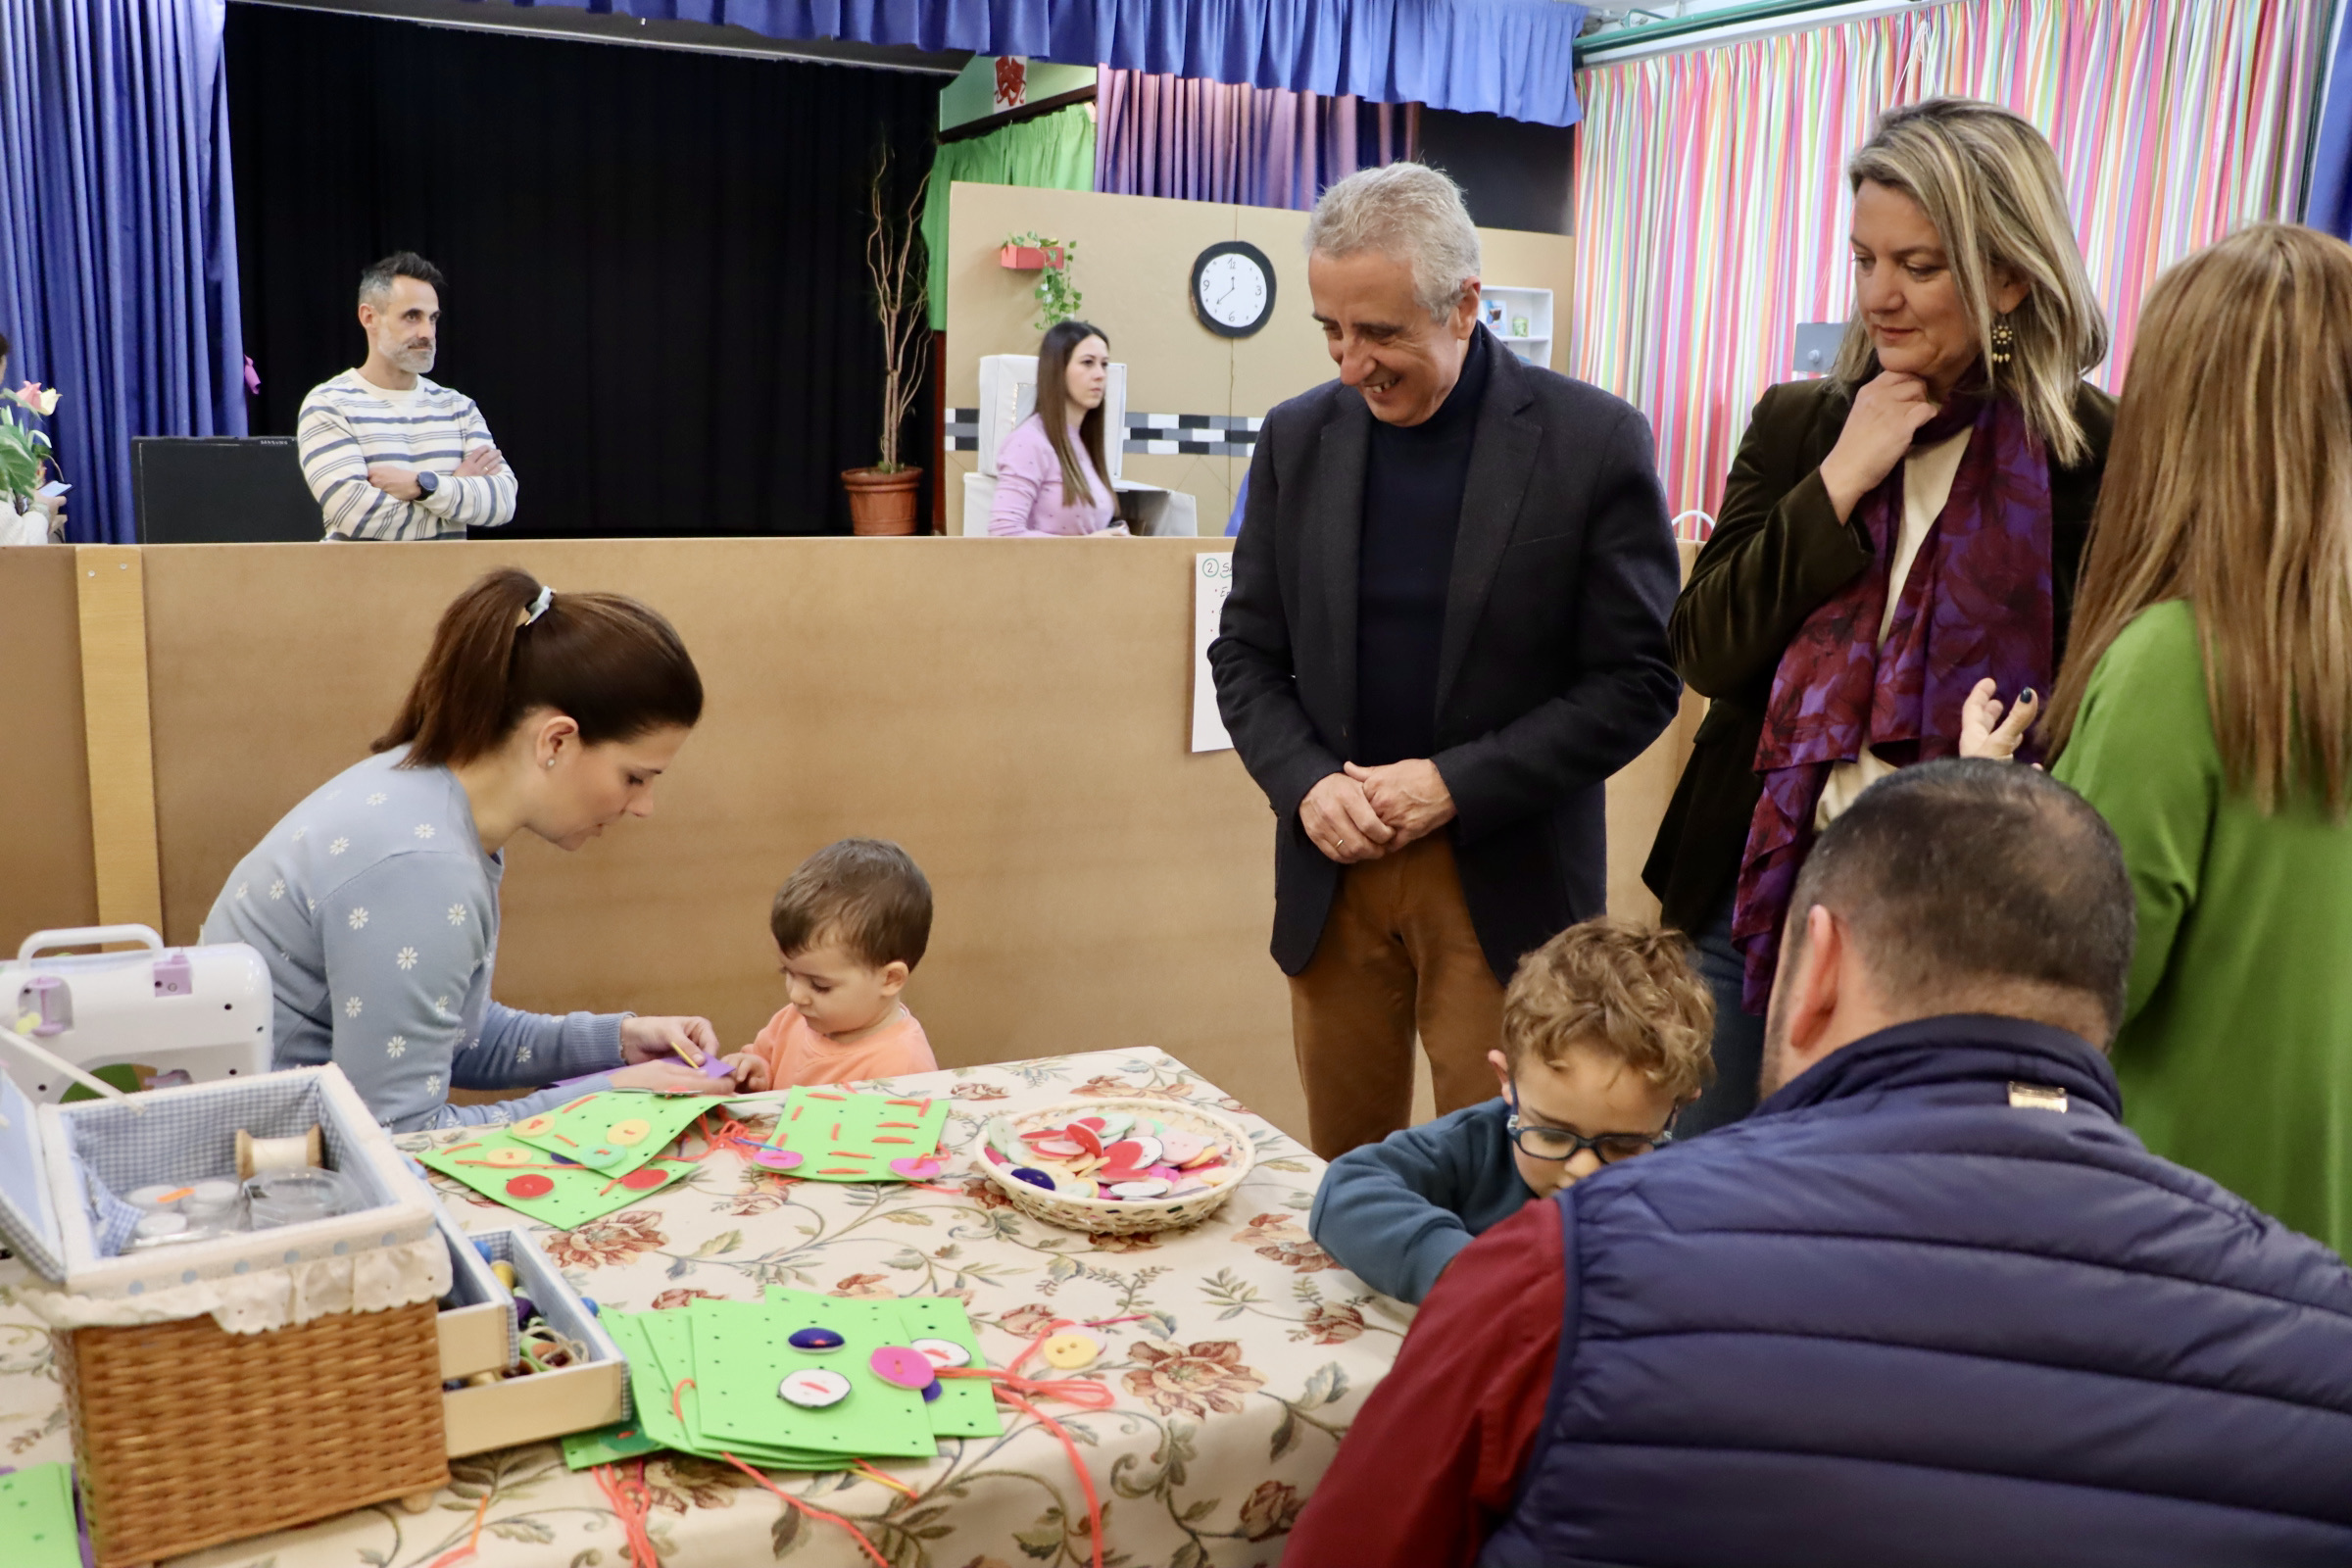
(2328, 204)
(1204, 141)
(118, 234)
(1502, 57)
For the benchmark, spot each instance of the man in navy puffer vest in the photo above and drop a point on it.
(1931, 1304)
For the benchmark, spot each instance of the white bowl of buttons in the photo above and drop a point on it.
(1117, 1166)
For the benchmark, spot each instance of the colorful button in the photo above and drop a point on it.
(915, 1167)
(644, 1179)
(1177, 1147)
(1070, 1351)
(815, 1341)
(903, 1365)
(777, 1159)
(503, 1270)
(632, 1131)
(530, 1183)
(944, 1352)
(931, 1391)
(533, 1126)
(1033, 1176)
(1147, 1187)
(814, 1389)
(507, 1156)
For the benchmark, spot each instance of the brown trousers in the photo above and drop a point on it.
(1397, 956)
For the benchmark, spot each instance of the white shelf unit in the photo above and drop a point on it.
(1529, 305)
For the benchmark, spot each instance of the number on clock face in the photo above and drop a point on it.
(1233, 291)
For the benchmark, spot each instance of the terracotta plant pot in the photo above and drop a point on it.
(1029, 257)
(883, 503)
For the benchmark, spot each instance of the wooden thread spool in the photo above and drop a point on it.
(306, 1151)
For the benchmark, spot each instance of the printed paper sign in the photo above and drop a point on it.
(1212, 580)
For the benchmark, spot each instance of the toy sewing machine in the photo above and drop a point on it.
(147, 1019)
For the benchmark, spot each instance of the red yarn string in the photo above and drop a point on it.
(1085, 1393)
(472, 1542)
(632, 1504)
(812, 1509)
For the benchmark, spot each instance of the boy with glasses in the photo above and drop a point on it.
(1606, 1032)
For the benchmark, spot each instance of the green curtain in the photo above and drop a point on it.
(1055, 151)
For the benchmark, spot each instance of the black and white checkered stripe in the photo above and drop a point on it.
(1191, 435)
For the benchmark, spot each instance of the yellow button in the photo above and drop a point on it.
(629, 1132)
(534, 1126)
(1070, 1351)
(507, 1156)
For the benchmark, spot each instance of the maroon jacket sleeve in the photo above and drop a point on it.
(1431, 1463)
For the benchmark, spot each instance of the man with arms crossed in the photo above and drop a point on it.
(389, 454)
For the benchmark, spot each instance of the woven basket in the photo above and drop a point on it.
(1113, 1215)
(188, 1436)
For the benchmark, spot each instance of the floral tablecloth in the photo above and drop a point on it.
(1248, 1353)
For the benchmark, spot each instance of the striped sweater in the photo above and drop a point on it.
(347, 423)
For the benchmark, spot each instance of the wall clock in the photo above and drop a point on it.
(1233, 288)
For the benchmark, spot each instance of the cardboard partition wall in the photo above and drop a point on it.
(1017, 717)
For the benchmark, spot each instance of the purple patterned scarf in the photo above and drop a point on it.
(1977, 603)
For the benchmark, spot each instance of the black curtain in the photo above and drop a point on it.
(655, 259)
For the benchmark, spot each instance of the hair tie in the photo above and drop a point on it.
(547, 596)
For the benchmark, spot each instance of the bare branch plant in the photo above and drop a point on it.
(894, 262)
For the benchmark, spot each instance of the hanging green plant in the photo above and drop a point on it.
(1058, 298)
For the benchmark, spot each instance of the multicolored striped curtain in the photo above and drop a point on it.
(1711, 204)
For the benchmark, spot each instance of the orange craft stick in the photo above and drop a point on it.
(897, 1124)
(844, 1171)
(814, 1095)
(880, 1139)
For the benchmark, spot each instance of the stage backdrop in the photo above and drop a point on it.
(656, 285)
(1135, 267)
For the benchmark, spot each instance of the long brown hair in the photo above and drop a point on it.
(1989, 184)
(612, 664)
(1053, 409)
(2230, 485)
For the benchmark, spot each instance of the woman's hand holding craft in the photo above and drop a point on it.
(688, 1039)
(671, 1076)
(1888, 412)
(1984, 732)
(1339, 821)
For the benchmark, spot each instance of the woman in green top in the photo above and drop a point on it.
(2206, 711)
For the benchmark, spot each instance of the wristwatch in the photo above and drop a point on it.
(428, 482)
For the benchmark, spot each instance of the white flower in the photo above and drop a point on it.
(277, 889)
(314, 903)
(378, 798)
(457, 915)
(351, 1009)
(396, 1047)
(338, 847)
(522, 1055)
(441, 1004)
(359, 918)
(432, 1085)
(406, 958)
(424, 830)
(242, 887)
(298, 833)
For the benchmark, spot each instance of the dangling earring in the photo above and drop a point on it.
(2004, 339)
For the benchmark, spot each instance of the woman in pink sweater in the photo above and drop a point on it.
(1049, 471)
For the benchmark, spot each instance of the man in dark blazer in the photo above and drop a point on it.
(1447, 629)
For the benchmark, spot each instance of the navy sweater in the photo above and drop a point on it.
(1396, 1212)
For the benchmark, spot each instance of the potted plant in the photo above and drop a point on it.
(884, 498)
(23, 449)
(1058, 298)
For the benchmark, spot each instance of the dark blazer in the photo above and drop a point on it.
(1777, 555)
(1553, 672)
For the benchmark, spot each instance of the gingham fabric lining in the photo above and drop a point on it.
(553, 1294)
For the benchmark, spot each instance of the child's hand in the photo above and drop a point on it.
(668, 1076)
(1984, 732)
(751, 1071)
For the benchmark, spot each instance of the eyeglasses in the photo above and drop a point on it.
(1559, 1143)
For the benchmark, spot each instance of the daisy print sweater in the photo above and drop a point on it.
(377, 911)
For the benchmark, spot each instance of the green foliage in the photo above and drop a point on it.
(1058, 298)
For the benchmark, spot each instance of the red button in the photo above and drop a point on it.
(644, 1179)
(532, 1185)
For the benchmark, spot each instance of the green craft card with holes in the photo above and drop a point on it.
(659, 1348)
(614, 1130)
(843, 1137)
(37, 1517)
(966, 1407)
(502, 1167)
(742, 1358)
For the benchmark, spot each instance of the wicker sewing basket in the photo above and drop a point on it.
(1122, 1216)
(188, 1434)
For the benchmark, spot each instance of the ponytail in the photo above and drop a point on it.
(506, 647)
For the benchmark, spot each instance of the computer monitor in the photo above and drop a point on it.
(220, 490)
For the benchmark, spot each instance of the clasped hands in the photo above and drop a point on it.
(1361, 814)
(399, 480)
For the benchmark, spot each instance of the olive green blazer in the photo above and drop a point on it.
(1777, 555)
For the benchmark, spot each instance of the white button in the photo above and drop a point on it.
(945, 1353)
(814, 1389)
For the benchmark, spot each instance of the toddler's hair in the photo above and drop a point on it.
(1625, 989)
(865, 893)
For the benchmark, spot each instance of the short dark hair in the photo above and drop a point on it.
(1962, 877)
(376, 281)
(614, 666)
(867, 894)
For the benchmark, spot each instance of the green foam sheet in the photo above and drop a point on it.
(36, 1518)
(579, 1194)
(584, 1129)
(843, 1137)
(624, 1439)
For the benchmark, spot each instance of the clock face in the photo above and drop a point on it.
(1233, 288)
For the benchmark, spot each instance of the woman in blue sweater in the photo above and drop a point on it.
(375, 902)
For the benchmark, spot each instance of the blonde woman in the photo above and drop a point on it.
(2206, 711)
(1891, 535)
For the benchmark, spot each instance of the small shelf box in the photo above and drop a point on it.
(1030, 258)
(1503, 308)
(482, 1313)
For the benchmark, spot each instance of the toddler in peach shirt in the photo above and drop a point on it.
(851, 925)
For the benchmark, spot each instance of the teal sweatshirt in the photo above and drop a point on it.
(1396, 1212)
